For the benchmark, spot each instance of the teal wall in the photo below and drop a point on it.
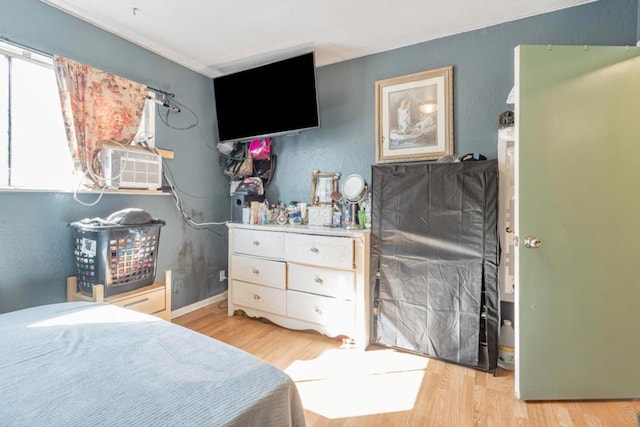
(35, 246)
(35, 242)
(482, 63)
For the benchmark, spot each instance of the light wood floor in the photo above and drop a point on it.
(384, 387)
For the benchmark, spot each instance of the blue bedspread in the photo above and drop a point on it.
(90, 364)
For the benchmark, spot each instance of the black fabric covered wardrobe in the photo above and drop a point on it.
(434, 260)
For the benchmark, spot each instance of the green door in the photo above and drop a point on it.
(578, 192)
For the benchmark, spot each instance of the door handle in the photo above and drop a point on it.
(532, 242)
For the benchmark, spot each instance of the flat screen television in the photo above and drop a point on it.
(274, 99)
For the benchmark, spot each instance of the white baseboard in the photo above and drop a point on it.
(197, 305)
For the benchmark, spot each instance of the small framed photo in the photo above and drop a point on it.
(323, 186)
(414, 116)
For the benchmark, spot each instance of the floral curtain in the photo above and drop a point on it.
(96, 106)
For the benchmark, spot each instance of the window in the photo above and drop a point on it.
(33, 144)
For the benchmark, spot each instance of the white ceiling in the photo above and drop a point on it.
(216, 37)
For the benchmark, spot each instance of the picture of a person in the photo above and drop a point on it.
(415, 124)
(404, 117)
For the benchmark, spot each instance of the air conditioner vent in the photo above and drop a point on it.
(131, 168)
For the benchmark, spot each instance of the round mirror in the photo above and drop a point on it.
(354, 188)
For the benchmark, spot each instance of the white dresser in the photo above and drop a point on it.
(302, 277)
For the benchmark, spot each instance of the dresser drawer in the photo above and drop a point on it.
(321, 281)
(260, 271)
(334, 313)
(148, 302)
(259, 297)
(258, 243)
(327, 251)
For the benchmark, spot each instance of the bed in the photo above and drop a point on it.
(89, 364)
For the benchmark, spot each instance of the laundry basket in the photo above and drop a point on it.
(120, 257)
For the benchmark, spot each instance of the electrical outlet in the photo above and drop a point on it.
(223, 276)
(176, 285)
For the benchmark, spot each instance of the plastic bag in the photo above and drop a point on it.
(260, 149)
(226, 148)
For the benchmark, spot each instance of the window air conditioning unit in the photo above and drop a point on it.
(124, 167)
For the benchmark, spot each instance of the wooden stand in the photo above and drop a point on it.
(153, 299)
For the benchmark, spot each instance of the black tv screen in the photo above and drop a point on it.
(273, 99)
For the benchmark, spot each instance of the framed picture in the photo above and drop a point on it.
(414, 116)
(323, 185)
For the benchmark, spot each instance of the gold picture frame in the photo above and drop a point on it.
(322, 185)
(414, 116)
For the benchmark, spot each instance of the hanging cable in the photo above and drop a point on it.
(175, 106)
(178, 203)
(75, 193)
(172, 105)
(165, 167)
(165, 120)
(164, 102)
(188, 220)
(96, 179)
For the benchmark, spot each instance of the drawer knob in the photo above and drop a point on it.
(315, 250)
(318, 280)
(255, 271)
(256, 243)
(256, 297)
(318, 310)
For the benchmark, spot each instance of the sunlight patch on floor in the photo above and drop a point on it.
(349, 383)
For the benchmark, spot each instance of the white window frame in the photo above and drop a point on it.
(147, 127)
